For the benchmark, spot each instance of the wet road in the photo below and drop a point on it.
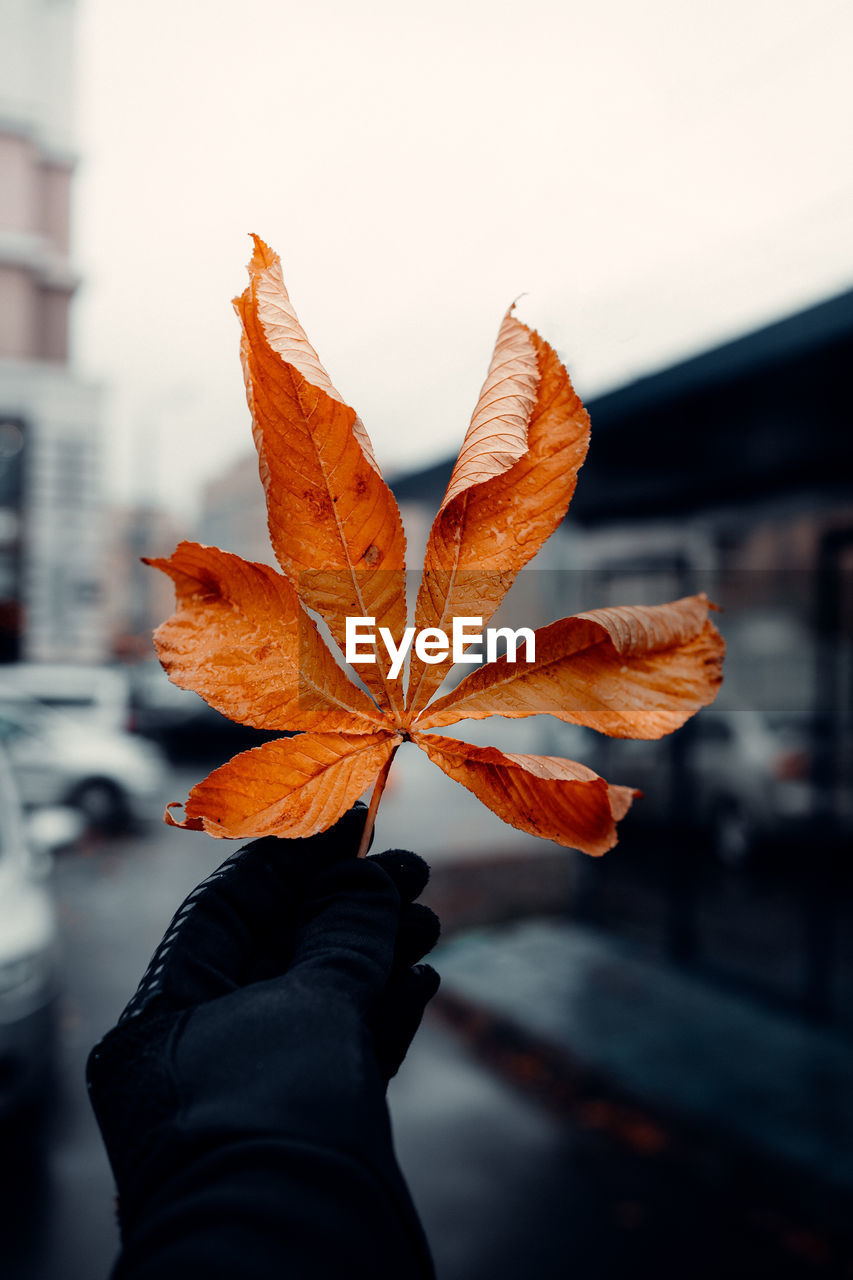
(505, 1188)
(116, 896)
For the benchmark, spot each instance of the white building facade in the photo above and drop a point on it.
(50, 503)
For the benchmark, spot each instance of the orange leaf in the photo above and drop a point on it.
(497, 435)
(291, 787)
(334, 523)
(636, 672)
(242, 640)
(501, 504)
(543, 795)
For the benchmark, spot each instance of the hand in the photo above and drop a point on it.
(255, 1055)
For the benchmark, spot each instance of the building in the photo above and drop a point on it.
(234, 512)
(137, 598)
(50, 533)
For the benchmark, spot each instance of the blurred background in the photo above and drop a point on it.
(641, 1061)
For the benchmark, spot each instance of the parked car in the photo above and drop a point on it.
(740, 777)
(28, 958)
(97, 694)
(111, 777)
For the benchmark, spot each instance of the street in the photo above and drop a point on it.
(507, 1182)
(116, 896)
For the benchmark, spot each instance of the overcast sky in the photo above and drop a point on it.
(654, 178)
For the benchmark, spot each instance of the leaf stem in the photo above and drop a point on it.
(378, 788)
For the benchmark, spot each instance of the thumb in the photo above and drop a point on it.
(348, 931)
(407, 995)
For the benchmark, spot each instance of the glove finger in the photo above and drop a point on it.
(408, 871)
(419, 931)
(350, 920)
(239, 925)
(399, 1015)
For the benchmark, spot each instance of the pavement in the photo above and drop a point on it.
(764, 1082)
(511, 1188)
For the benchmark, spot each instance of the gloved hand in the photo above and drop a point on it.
(241, 1095)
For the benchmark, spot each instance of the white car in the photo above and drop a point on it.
(110, 776)
(28, 959)
(94, 694)
(745, 779)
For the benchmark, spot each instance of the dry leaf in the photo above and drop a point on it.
(488, 530)
(633, 672)
(243, 641)
(241, 636)
(543, 795)
(298, 785)
(334, 524)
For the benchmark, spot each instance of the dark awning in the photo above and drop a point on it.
(767, 414)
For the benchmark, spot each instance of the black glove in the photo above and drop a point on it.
(241, 1096)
